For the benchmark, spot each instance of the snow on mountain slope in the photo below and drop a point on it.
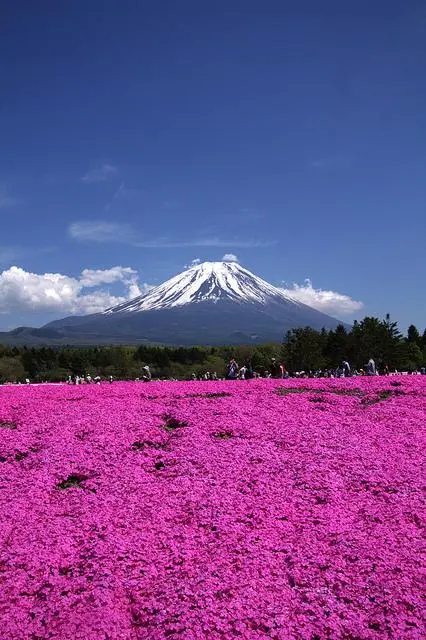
(208, 281)
(214, 303)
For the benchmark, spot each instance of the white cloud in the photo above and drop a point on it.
(95, 277)
(99, 174)
(103, 231)
(100, 231)
(329, 302)
(21, 290)
(193, 263)
(230, 257)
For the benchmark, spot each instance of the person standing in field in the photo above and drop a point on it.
(242, 372)
(146, 376)
(346, 369)
(371, 368)
(232, 370)
(277, 369)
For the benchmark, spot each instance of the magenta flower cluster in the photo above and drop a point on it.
(247, 509)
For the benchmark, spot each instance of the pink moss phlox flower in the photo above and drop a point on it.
(173, 510)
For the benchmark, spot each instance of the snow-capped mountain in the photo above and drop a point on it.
(205, 282)
(210, 303)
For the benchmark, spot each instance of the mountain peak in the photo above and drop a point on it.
(206, 282)
(209, 303)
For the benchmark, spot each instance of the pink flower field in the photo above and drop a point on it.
(218, 510)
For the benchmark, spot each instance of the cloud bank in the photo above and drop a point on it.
(21, 290)
(330, 302)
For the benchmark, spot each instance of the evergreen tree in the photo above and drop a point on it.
(413, 357)
(304, 350)
(337, 346)
(11, 369)
(413, 336)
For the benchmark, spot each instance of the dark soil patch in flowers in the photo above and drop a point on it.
(382, 395)
(20, 455)
(73, 480)
(220, 394)
(284, 391)
(224, 435)
(82, 435)
(140, 445)
(366, 400)
(171, 424)
(7, 424)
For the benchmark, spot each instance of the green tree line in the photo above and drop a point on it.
(301, 349)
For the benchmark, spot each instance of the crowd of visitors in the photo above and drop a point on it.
(276, 370)
(87, 379)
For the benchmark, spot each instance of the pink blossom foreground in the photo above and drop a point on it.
(166, 510)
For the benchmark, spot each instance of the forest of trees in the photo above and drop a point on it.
(301, 349)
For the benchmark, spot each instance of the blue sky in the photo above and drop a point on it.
(136, 137)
